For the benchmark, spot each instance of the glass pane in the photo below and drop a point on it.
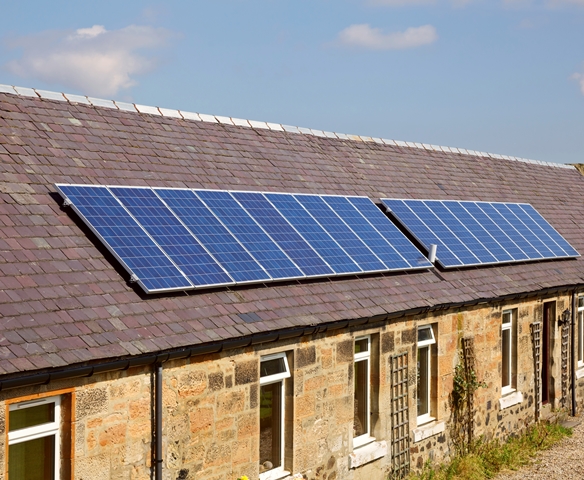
(270, 426)
(424, 334)
(506, 317)
(362, 345)
(32, 460)
(361, 419)
(580, 302)
(31, 416)
(506, 380)
(272, 367)
(423, 381)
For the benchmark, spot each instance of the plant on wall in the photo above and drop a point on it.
(465, 385)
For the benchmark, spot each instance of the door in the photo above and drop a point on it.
(549, 313)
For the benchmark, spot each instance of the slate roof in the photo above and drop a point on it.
(63, 301)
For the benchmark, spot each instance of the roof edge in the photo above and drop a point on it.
(184, 115)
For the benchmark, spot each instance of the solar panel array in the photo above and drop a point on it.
(180, 239)
(480, 233)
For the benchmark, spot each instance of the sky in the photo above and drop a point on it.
(499, 76)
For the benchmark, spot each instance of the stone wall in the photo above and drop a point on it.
(211, 403)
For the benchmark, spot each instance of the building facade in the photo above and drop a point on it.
(327, 378)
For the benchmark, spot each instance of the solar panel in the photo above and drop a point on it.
(289, 240)
(385, 239)
(172, 236)
(480, 233)
(179, 239)
(124, 237)
(343, 235)
(211, 233)
(250, 234)
(313, 233)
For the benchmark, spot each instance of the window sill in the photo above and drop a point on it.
(428, 430)
(580, 372)
(510, 399)
(275, 474)
(367, 453)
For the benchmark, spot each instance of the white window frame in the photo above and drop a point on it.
(581, 331)
(39, 431)
(510, 388)
(365, 357)
(427, 417)
(278, 472)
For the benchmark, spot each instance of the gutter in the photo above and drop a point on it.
(244, 341)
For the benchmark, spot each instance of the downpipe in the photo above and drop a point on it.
(158, 421)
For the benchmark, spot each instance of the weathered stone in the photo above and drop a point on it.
(305, 356)
(246, 372)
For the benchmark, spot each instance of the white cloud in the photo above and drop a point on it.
(579, 77)
(92, 60)
(365, 36)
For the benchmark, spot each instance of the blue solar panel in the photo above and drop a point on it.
(171, 236)
(343, 235)
(250, 234)
(125, 238)
(422, 232)
(401, 253)
(492, 232)
(550, 231)
(313, 233)
(275, 225)
(224, 247)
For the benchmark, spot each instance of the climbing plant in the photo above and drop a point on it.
(465, 385)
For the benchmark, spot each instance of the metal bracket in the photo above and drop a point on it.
(133, 278)
(67, 203)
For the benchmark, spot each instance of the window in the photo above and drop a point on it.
(362, 392)
(424, 381)
(508, 352)
(274, 370)
(34, 439)
(581, 331)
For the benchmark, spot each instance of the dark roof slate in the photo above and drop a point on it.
(62, 301)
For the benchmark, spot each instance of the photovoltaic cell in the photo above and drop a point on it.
(493, 232)
(402, 254)
(173, 237)
(339, 230)
(551, 231)
(211, 233)
(179, 239)
(289, 240)
(125, 238)
(313, 233)
(250, 234)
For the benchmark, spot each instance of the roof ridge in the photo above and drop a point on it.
(166, 112)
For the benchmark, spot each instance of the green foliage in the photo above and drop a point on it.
(487, 459)
(465, 385)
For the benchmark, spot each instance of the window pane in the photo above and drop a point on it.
(362, 345)
(506, 317)
(423, 380)
(31, 416)
(32, 460)
(506, 380)
(272, 367)
(361, 420)
(424, 334)
(270, 426)
(580, 301)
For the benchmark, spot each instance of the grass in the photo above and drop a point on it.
(489, 458)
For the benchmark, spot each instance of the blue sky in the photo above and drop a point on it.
(502, 76)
